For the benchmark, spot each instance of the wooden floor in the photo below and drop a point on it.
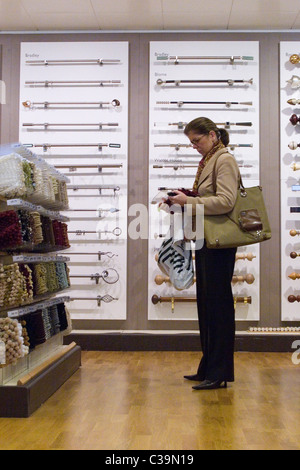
(139, 400)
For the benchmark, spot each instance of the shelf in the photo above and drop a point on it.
(40, 301)
(20, 401)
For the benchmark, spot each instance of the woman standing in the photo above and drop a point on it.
(214, 267)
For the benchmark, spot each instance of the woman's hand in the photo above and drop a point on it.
(180, 198)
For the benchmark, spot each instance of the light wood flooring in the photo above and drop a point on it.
(139, 400)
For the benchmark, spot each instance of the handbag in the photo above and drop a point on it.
(246, 224)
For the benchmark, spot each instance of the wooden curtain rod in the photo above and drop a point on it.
(156, 299)
(248, 278)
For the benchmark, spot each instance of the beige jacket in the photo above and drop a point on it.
(227, 176)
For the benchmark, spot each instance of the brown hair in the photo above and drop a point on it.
(203, 125)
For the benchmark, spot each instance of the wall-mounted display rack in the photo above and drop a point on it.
(69, 92)
(189, 79)
(289, 162)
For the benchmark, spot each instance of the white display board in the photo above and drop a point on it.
(173, 104)
(290, 190)
(80, 90)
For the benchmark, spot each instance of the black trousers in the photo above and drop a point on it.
(214, 271)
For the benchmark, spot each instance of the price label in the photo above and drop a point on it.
(2, 353)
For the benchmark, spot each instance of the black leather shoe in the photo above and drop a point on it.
(194, 377)
(209, 385)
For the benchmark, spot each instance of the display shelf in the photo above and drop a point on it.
(45, 246)
(33, 319)
(39, 300)
(21, 401)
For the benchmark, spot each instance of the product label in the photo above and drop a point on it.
(2, 353)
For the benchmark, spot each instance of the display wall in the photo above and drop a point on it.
(289, 105)
(265, 155)
(74, 113)
(187, 80)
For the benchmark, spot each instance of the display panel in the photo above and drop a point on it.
(289, 169)
(74, 113)
(219, 80)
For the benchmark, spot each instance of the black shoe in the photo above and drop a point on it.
(209, 385)
(194, 377)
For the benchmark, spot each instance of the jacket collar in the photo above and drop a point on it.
(207, 170)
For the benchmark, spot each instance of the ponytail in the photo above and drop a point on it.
(203, 125)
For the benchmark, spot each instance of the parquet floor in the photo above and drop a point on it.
(139, 400)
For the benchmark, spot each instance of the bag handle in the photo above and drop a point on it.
(214, 176)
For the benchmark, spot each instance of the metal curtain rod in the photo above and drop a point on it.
(105, 275)
(93, 210)
(100, 188)
(45, 147)
(59, 105)
(226, 103)
(105, 298)
(229, 82)
(116, 231)
(181, 125)
(97, 211)
(99, 167)
(177, 58)
(99, 254)
(178, 146)
(73, 62)
(54, 83)
(46, 125)
(179, 166)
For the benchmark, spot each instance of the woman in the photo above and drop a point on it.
(214, 267)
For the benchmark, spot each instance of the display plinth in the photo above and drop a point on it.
(22, 401)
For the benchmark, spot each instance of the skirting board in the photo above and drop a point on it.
(152, 341)
(22, 401)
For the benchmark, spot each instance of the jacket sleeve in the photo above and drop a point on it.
(227, 176)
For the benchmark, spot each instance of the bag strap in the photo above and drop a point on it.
(241, 186)
(214, 176)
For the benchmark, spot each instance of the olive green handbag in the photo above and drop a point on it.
(246, 224)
